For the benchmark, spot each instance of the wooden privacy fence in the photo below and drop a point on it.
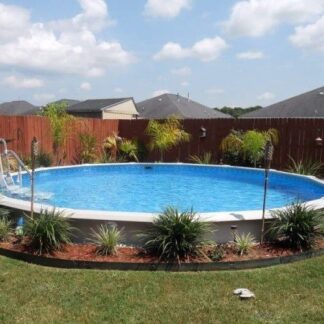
(296, 136)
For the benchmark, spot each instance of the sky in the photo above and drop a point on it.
(221, 53)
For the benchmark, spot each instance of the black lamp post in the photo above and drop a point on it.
(34, 154)
(268, 154)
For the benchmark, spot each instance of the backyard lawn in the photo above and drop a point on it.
(291, 293)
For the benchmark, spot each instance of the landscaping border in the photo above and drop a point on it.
(212, 266)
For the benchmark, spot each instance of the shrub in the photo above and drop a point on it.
(129, 150)
(175, 235)
(206, 158)
(88, 148)
(44, 160)
(216, 252)
(243, 242)
(107, 239)
(297, 225)
(49, 231)
(306, 167)
(5, 225)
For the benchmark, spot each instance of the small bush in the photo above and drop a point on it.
(243, 242)
(49, 231)
(216, 252)
(107, 239)
(5, 225)
(175, 235)
(297, 225)
(44, 160)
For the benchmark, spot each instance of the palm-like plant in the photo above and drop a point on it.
(243, 242)
(129, 149)
(166, 135)
(175, 235)
(297, 225)
(5, 225)
(110, 145)
(88, 148)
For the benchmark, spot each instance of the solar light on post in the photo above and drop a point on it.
(34, 154)
(268, 154)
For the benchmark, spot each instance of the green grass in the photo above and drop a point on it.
(292, 293)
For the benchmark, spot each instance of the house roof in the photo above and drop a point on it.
(165, 105)
(306, 105)
(20, 107)
(96, 105)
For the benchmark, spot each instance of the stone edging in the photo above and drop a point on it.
(212, 266)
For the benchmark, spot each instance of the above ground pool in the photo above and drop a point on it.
(149, 188)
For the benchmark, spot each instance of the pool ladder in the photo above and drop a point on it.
(7, 181)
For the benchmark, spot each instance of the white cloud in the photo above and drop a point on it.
(86, 86)
(21, 82)
(207, 49)
(165, 8)
(214, 91)
(310, 36)
(184, 71)
(43, 98)
(266, 96)
(118, 90)
(61, 46)
(256, 18)
(250, 55)
(185, 84)
(157, 93)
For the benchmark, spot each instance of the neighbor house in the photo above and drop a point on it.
(114, 108)
(307, 105)
(167, 105)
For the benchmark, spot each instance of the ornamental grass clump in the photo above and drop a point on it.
(297, 225)
(107, 239)
(5, 225)
(243, 243)
(49, 231)
(175, 235)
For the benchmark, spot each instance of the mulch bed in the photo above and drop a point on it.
(87, 252)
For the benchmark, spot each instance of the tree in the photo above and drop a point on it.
(59, 120)
(237, 111)
(166, 135)
(248, 146)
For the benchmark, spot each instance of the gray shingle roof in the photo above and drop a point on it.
(95, 105)
(306, 105)
(165, 105)
(20, 107)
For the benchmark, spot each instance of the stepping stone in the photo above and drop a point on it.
(244, 293)
(239, 291)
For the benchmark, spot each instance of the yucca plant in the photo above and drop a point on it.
(5, 225)
(49, 231)
(306, 167)
(88, 148)
(107, 239)
(206, 158)
(175, 235)
(297, 225)
(243, 242)
(129, 149)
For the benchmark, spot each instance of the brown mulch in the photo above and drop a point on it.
(87, 252)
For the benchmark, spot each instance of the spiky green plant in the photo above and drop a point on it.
(107, 239)
(297, 225)
(129, 149)
(5, 225)
(175, 235)
(206, 158)
(306, 167)
(166, 135)
(111, 146)
(49, 231)
(243, 242)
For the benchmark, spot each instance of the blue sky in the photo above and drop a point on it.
(229, 52)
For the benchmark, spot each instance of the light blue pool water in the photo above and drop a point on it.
(140, 188)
